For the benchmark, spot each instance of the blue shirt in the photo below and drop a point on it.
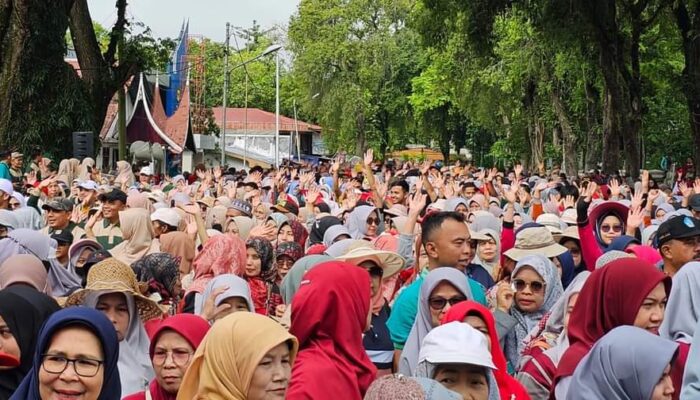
(5, 171)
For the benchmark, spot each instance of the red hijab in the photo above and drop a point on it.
(508, 387)
(329, 314)
(610, 298)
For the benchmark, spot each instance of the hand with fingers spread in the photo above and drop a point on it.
(415, 206)
(218, 173)
(637, 200)
(311, 195)
(425, 167)
(255, 177)
(518, 170)
(685, 190)
(569, 201)
(635, 219)
(265, 231)
(614, 186)
(696, 186)
(511, 195)
(369, 157)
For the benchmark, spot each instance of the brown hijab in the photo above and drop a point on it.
(180, 246)
(137, 232)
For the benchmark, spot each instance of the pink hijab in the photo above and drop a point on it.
(221, 254)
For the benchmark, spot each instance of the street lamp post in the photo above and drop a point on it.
(277, 109)
(222, 139)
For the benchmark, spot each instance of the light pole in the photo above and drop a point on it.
(277, 106)
(222, 139)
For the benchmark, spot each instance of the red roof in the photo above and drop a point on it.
(259, 120)
(176, 126)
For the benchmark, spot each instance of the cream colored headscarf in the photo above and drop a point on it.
(225, 361)
(137, 232)
(124, 174)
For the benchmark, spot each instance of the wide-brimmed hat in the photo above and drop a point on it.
(390, 262)
(551, 222)
(397, 210)
(535, 240)
(113, 276)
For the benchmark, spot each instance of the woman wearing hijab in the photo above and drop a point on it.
(63, 278)
(546, 343)
(225, 295)
(320, 227)
(245, 356)
(457, 356)
(488, 252)
(364, 223)
(181, 246)
(138, 234)
(161, 277)
(481, 319)
(22, 313)
(441, 289)
(628, 363)
(113, 290)
(335, 234)
(223, 254)
(125, 176)
(80, 251)
(85, 169)
(400, 387)
(332, 362)
(26, 241)
(261, 273)
(290, 283)
(25, 270)
(83, 340)
(239, 226)
(173, 344)
(682, 316)
(627, 291)
(28, 218)
(535, 287)
(286, 254)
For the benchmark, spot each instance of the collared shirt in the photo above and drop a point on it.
(107, 234)
(75, 230)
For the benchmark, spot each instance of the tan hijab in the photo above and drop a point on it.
(225, 361)
(245, 224)
(180, 246)
(137, 232)
(124, 174)
(26, 269)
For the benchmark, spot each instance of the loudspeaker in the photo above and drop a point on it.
(83, 145)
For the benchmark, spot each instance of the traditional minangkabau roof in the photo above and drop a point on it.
(259, 120)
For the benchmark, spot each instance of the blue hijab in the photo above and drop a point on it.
(568, 268)
(100, 326)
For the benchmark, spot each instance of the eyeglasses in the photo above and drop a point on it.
(285, 263)
(180, 357)
(85, 367)
(536, 286)
(438, 303)
(373, 221)
(614, 228)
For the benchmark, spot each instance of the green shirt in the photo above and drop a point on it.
(107, 234)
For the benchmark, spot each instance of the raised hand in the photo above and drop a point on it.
(381, 188)
(200, 174)
(265, 231)
(590, 190)
(293, 174)
(416, 204)
(637, 200)
(311, 195)
(511, 195)
(696, 185)
(255, 177)
(351, 199)
(369, 157)
(191, 209)
(335, 166)
(645, 180)
(518, 169)
(217, 173)
(425, 167)
(569, 201)
(614, 186)
(635, 218)
(31, 178)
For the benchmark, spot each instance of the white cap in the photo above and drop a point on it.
(6, 186)
(167, 216)
(146, 171)
(88, 185)
(178, 178)
(456, 343)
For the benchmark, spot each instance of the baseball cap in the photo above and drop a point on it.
(146, 171)
(286, 203)
(17, 155)
(242, 206)
(167, 216)
(679, 227)
(63, 236)
(88, 185)
(6, 186)
(61, 204)
(114, 195)
(456, 343)
(694, 202)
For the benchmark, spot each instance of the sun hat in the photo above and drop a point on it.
(456, 343)
(113, 276)
(535, 240)
(569, 233)
(569, 216)
(167, 216)
(207, 201)
(397, 210)
(388, 261)
(342, 247)
(551, 222)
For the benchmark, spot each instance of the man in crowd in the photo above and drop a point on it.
(165, 220)
(6, 191)
(104, 225)
(679, 242)
(58, 218)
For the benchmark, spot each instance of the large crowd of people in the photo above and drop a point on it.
(347, 281)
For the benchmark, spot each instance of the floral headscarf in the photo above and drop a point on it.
(299, 231)
(222, 254)
(268, 269)
(290, 249)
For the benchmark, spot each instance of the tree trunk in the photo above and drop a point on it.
(688, 26)
(593, 148)
(361, 140)
(14, 36)
(611, 138)
(568, 136)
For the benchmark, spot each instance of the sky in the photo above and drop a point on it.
(207, 17)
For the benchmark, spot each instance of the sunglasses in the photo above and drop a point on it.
(438, 303)
(608, 228)
(372, 221)
(536, 286)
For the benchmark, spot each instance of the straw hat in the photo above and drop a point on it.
(535, 240)
(390, 262)
(112, 275)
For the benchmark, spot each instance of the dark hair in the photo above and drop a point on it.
(433, 222)
(402, 183)
(569, 190)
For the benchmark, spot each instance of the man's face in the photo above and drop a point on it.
(84, 194)
(16, 163)
(680, 251)
(397, 195)
(469, 191)
(451, 245)
(110, 209)
(57, 219)
(62, 250)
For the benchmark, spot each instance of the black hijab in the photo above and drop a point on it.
(24, 310)
(320, 227)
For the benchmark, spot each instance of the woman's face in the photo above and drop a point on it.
(664, 387)
(232, 228)
(75, 343)
(487, 250)
(474, 206)
(271, 376)
(253, 265)
(372, 224)
(651, 312)
(285, 234)
(260, 213)
(570, 308)
(83, 257)
(8, 343)
(284, 263)
(462, 209)
(467, 380)
(528, 299)
(610, 228)
(115, 307)
(575, 251)
(236, 304)
(53, 189)
(660, 213)
(172, 355)
(479, 324)
(441, 300)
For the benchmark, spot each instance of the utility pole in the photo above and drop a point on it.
(121, 98)
(223, 130)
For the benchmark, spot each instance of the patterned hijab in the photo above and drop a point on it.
(160, 271)
(268, 269)
(222, 254)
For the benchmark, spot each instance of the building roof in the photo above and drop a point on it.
(258, 121)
